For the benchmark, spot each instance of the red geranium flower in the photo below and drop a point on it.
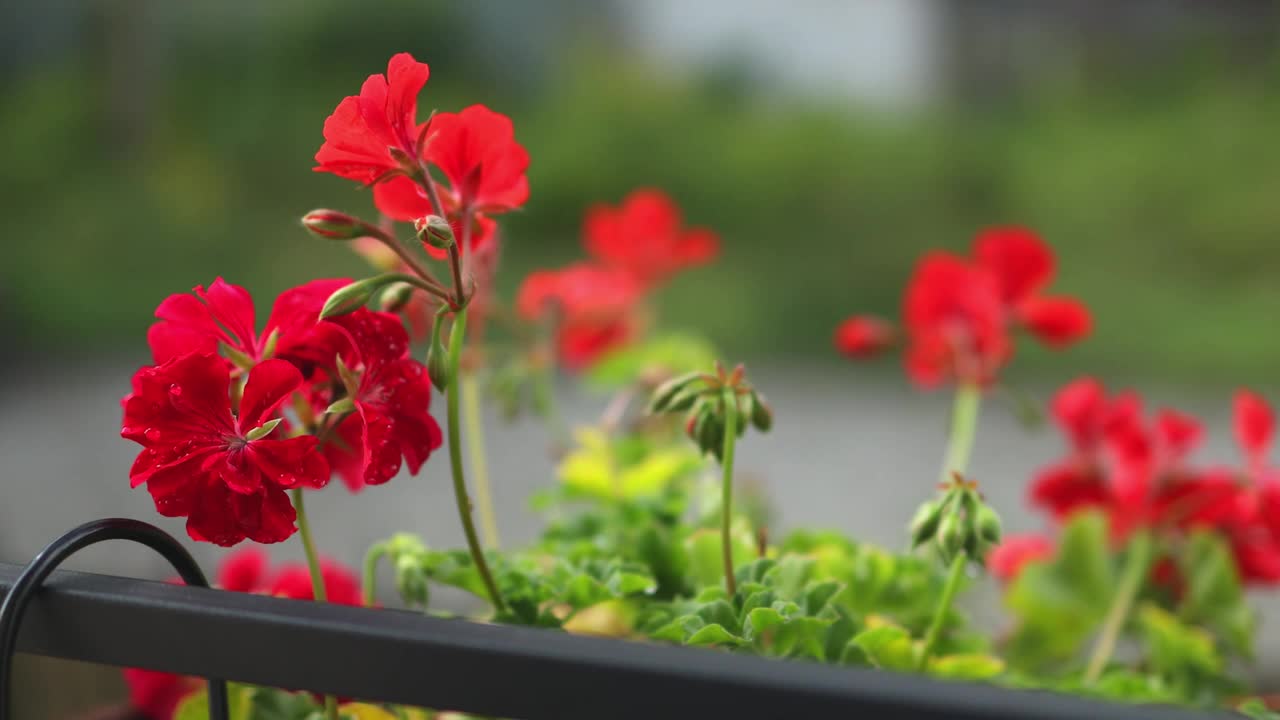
(958, 313)
(645, 236)
(1014, 552)
(595, 308)
(955, 322)
(863, 336)
(400, 198)
(223, 317)
(476, 149)
(365, 133)
(391, 420)
(156, 695)
(1023, 266)
(220, 469)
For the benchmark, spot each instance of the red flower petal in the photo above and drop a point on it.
(341, 585)
(244, 570)
(1066, 487)
(1015, 552)
(402, 199)
(863, 336)
(1255, 424)
(290, 463)
(1056, 321)
(477, 151)
(1079, 408)
(1179, 433)
(156, 695)
(270, 384)
(361, 130)
(1021, 262)
(645, 236)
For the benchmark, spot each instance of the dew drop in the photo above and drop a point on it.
(175, 390)
(152, 434)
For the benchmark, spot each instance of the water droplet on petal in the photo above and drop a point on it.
(175, 390)
(152, 434)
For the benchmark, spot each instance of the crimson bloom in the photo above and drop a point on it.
(222, 317)
(476, 149)
(1015, 552)
(392, 399)
(220, 469)
(366, 132)
(863, 336)
(596, 308)
(958, 312)
(646, 237)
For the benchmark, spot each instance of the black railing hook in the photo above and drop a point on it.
(55, 553)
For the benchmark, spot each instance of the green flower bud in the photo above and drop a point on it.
(434, 231)
(761, 413)
(437, 357)
(665, 394)
(351, 298)
(925, 522)
(334, 225)
(395, 297)
(988, 523)
(951, 535)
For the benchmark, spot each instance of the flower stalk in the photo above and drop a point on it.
(317, 577)
(1135, 569)
(470, 389)
(954, 577)
(964, 427)
(457, 335)
(726, 490)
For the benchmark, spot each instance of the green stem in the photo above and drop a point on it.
(954, 577)
(470, 390)
(964, 427)
(1135, 570)
(457, 336)
(726, 499)
(317, 578)
(369, 582)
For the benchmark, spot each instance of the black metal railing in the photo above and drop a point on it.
(502, 671)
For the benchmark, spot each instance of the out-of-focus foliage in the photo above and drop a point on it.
(1162, 175)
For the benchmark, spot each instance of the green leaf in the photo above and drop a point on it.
(712, 635)
(272, 704)
(1214, 597)
(888, 647)
(967, 666)
(670, 353)
(1175, 649)
(1060, 602)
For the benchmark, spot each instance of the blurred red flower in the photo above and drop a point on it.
(595, 308)
(392, 419)
(215, 467)
(646, 237)
(365, 133)
(863, 336)
(476, 149)
(958, 313)
(1014, 552)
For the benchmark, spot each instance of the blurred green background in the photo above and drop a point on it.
(146, 147)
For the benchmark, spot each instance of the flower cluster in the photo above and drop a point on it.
(1137, 470)
(218, 448)
(960, 312)
(596, 305)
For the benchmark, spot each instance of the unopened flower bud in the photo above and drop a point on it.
(761, 413)
(350, 298)
(925, 522)
(951, 535)
(437, 362)
(665, 393)
(434, 231)
(396, 297)
(988, 523)
(334, 225)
